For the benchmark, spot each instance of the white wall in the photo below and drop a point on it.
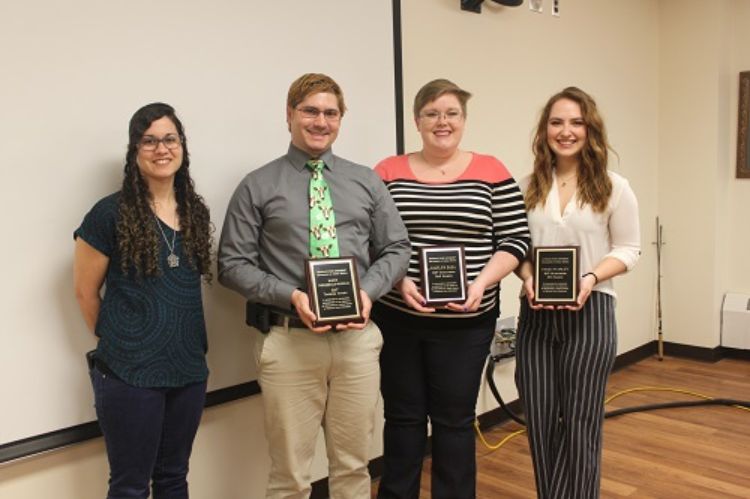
(73, 74)
(665, 75)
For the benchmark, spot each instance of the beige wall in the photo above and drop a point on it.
(512, 60)
(703, 46)
(230, 461)
(688, 167)
(736, 254)
(664, 73)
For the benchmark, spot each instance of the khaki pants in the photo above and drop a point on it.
(311, 380)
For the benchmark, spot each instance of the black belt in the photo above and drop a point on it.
(277, 319)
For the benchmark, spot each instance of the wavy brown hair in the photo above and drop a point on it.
(594, 184)
(137, 237)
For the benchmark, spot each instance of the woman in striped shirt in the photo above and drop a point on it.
(565, 353)
(433, 356)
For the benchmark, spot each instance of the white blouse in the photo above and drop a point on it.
(613, 233)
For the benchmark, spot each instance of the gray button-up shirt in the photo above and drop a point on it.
(265, 238)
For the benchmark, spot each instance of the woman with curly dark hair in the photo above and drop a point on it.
(564, 353)
(150, 244)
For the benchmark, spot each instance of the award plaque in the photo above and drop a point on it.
(333, 288)
(556, 275)
(443, 272)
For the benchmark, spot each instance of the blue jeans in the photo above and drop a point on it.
(149, 435)
(433, 374)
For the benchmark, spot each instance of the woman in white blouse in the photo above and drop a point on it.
(565, 353)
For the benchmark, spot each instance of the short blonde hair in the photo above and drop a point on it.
(437, 88)
(314, 83)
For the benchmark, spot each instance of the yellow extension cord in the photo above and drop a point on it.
(606, 401)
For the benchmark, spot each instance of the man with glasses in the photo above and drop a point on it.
(313, 375)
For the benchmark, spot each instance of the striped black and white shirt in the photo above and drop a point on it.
(482, 209)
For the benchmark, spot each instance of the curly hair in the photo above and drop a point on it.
(137, 237)
(594, 185)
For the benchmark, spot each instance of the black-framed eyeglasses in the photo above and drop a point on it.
(151, 143)
(312, 113)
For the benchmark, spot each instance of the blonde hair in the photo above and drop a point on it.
(594, 184)
(314, 83)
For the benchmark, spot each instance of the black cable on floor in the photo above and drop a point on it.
(489, 374)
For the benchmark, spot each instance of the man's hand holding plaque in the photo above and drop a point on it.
(443, 273)
(333, 289)
(556, 271)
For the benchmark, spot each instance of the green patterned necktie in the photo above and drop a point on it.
(323, 242)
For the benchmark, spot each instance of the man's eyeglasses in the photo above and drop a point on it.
(452, 116)
(151, 143)
(312, 113)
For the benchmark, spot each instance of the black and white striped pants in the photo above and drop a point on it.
(563, 359)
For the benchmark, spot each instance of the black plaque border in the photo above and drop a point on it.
(571, 299)
(312, 291)
(423, 273)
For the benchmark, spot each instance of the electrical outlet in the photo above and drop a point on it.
(556, 8)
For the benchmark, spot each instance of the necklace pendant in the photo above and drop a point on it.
(173, 260)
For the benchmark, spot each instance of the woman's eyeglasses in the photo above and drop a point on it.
(151, 143)
(452, 116)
